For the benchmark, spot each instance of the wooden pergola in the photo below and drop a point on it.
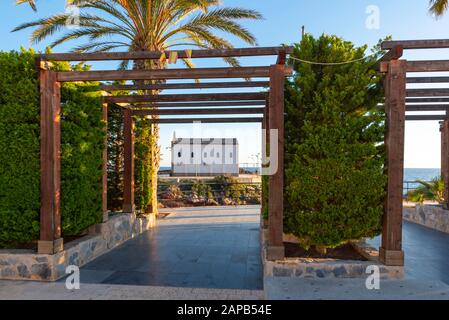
(398, 101)
(263, 106)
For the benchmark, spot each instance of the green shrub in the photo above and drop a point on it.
(82, 134)
(19, 148)
(115, 157)
(334, 180)
(82, 143)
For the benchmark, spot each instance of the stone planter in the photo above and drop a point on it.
(327, 268)
(431, 216)
(27, 265)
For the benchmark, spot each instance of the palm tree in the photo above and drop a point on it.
(32, 3)
(438, 7)
(147, 25)
(433, 190)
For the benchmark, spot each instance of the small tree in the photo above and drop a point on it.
(334, 152)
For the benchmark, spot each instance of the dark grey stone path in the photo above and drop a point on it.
(426, 253)
(199, 248)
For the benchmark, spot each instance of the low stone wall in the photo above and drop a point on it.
(328, 268)
(431, 216)
(27, 265)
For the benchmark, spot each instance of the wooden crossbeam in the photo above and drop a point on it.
(427, 79)
(425, 117)
(187, 97)
(417, 44)
(428, 66)
(393, 54)
(155, 55)
(197, 73)
(440, 92)
(204, 85)
(427, 100)
(207, 120)
(427, 107)
(199, 111)
(201, 104)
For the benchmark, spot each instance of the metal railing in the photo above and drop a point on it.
(410, 186)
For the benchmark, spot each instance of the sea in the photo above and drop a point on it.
(410, 174)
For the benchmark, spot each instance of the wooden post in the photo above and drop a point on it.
(391, 253)
(128, 188)
(275, 249)
(445, 160)
(264, 154)
(105, 165)
(50, 241)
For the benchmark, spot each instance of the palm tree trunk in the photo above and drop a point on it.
(151, 204)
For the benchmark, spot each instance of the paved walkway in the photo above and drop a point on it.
(214, 254)
(195, 247)
(426, 274)
(426, 253)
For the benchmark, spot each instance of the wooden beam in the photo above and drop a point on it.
(427, 100)
(445, 160)
(186, 97)
(427, 107)
(50, 241)
(155, 55)
(206, 120)
(427, 79)
(440, 92)
(199, 104)
(162, 74)
(105, 164)
(198, 111)
(417, 44)
(425, 117)
(428, 66)
(393, 54)
(275, 248)
(176, 86)
(128, 181)
(391, 249)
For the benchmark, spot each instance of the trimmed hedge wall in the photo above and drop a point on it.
(19, 148)
(82, 145)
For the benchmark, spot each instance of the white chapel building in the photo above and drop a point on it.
(204, 157)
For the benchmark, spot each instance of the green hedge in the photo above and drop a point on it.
(82, 145)
(19, 148)
(334, 162)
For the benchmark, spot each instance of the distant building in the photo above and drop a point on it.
(204, 157)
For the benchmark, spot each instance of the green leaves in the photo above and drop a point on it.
(82, 147)
(333, 162)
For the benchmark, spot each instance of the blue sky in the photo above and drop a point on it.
(403, 19)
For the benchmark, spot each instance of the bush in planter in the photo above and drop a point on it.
(334, 155)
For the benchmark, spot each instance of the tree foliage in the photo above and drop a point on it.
(82, 143)
(334, 158)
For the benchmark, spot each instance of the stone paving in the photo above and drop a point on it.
(206, 249)
(192, 247)
(426, 275)
(426, 253)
